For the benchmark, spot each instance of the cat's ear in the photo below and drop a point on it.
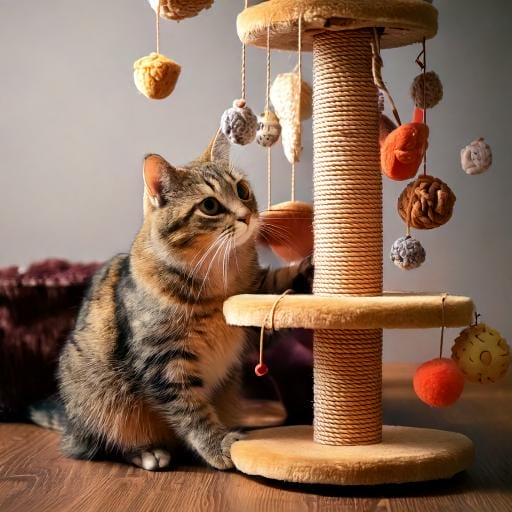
(156, 172)
(218, 150)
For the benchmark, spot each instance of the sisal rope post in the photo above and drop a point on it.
(348, 235)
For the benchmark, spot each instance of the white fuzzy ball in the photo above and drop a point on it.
(407, 253)
(476, 157)
(239, 124)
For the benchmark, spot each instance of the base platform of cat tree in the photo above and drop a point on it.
(388, 311)
(405, 455)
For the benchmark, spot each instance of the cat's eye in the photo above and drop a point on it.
(243, 190)
(210, 206)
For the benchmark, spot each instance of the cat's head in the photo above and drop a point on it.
(204, 206)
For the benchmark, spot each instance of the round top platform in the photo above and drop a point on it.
(388, 311)
(402, 22)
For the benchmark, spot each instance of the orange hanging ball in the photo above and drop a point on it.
(402, 151)
(439, 382)
(288, 229)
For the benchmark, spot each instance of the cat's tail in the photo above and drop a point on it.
(49, 413)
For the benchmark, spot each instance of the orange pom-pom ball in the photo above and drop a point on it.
(439, 382)
(402, 151)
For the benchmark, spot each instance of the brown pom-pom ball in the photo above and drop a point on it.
(433, 92)
(155, 75)
(180, 9)
(426, 203)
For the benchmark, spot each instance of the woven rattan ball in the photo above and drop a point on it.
(426, 203)
(481, 353)
(239, 123)
(180, 9)
(476, 157)
(155, 75)
(407, 253)
(433, 92)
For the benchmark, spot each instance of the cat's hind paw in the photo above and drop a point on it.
(152, 459)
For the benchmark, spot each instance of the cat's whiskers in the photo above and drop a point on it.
(222, 238)
(235, 252)
(225, 262)
(279, 233)
(192, 276)
(276, 231)
(202, 258)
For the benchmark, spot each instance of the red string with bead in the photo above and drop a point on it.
(261, 368)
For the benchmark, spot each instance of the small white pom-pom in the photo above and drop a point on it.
(476, 157)
(239, 124)
(407, 253)
(269, 129)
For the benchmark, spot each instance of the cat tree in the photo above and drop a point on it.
(348, 310)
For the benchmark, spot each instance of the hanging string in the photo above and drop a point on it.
(421, 60)
(158, 26)
(267, 93)
(442, 324)
(243, 62)
(299, 72)
(409, 206)
(269, 177)
(293, 182)
(377, 65)
(267, 108)
(270, 315)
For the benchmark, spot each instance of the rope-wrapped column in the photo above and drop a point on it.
(348, 234)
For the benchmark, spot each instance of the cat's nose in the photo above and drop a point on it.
(245, 219)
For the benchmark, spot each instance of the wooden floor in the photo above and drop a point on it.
(34, 476)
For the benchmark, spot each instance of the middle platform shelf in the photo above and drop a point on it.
(391, 310)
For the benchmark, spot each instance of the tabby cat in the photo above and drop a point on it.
(152, 361)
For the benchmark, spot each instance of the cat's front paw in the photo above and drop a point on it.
(151, 459)
(220, 458)
(303, 282)
(229, 439)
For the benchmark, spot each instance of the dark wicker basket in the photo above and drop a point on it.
(38, 308)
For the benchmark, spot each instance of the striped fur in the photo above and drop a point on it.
(151, 361)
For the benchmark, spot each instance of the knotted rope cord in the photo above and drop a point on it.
(421, 60)
(348, 234)
(243, 61)
(377, 65)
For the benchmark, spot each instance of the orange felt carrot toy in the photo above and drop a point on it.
(403, 150)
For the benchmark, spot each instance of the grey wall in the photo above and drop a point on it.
(73, 130)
